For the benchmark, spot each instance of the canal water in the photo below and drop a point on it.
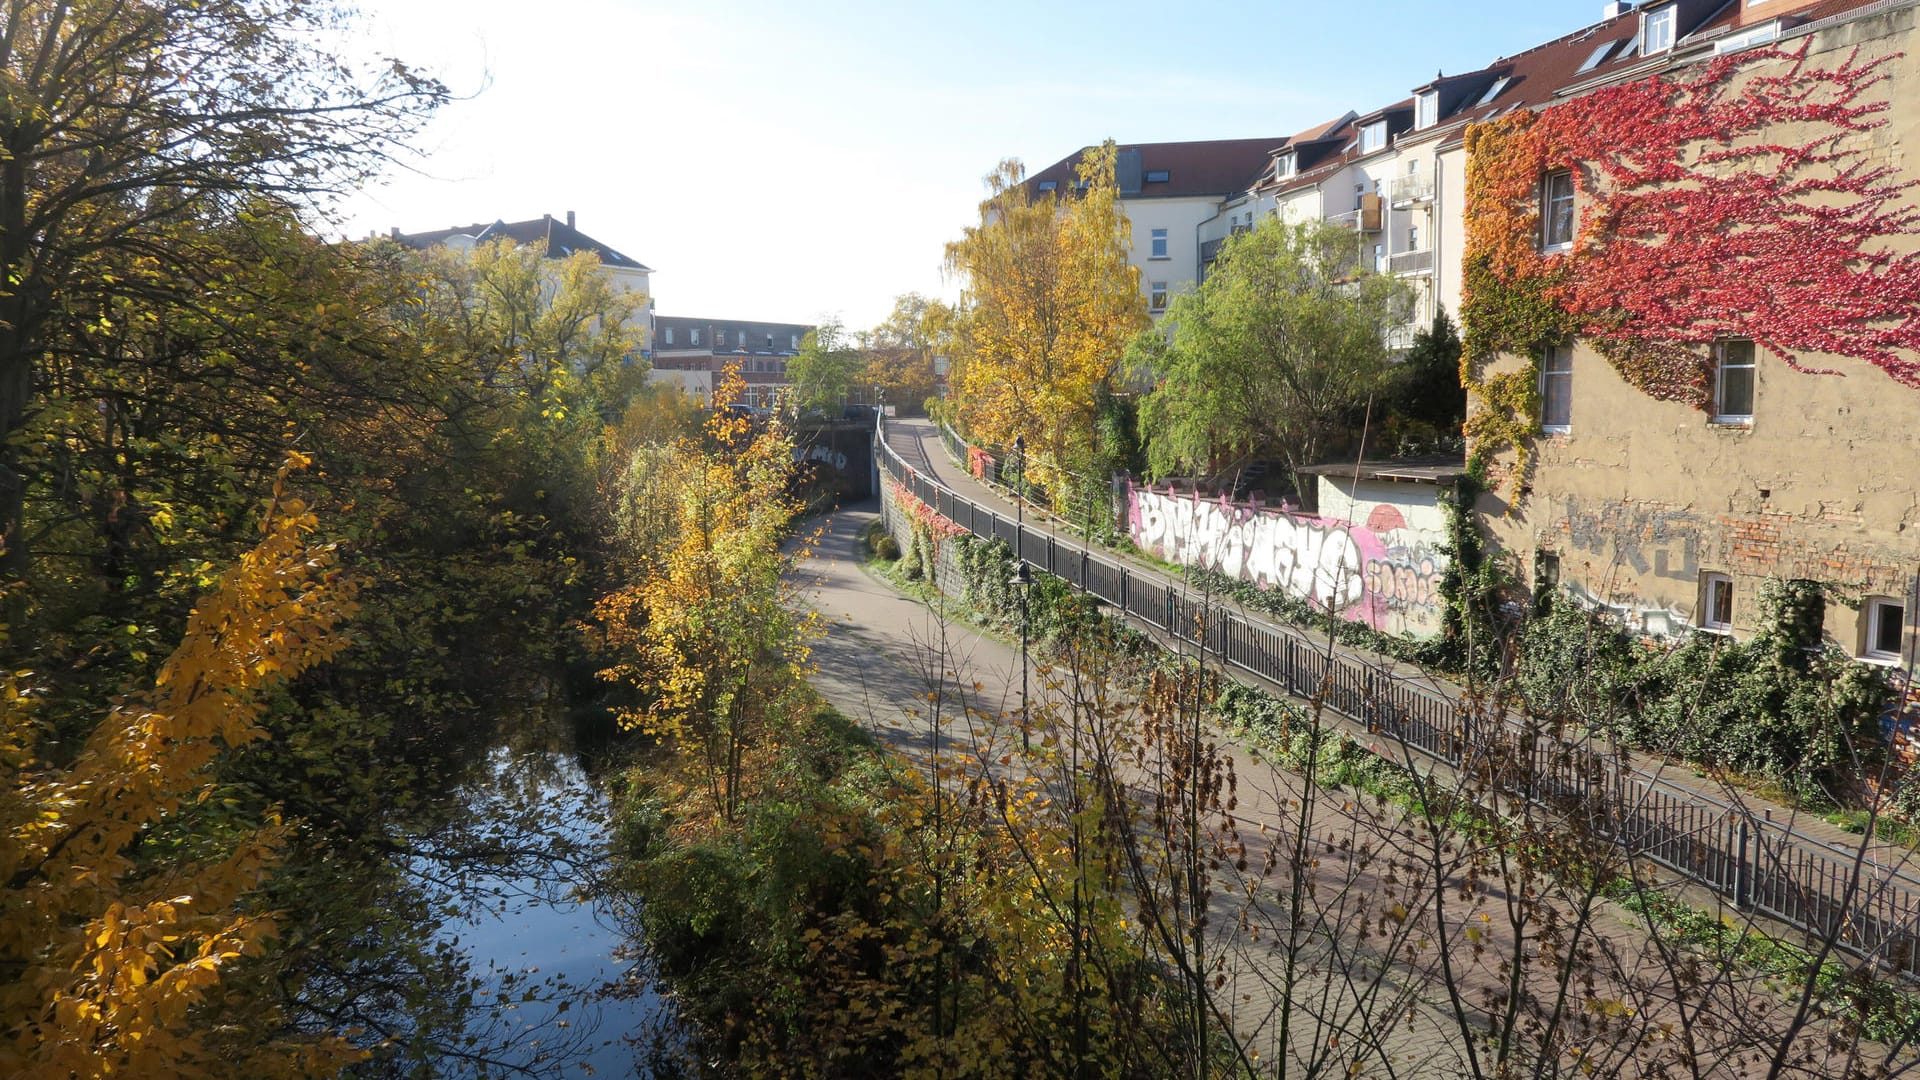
(559, 990)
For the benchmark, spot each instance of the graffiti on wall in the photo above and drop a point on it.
(1654, 620)
(1382, 572)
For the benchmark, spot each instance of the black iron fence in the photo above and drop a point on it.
(1870, 907)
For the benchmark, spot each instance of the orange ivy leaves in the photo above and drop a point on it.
(111, 929)
(1737, 201)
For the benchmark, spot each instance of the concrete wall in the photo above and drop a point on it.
(1376, 568)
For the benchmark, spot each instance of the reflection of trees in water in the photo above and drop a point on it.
(502, 830)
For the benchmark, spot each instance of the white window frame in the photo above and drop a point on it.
(1426, 109)
(1157, 296)
(793, 341)
(1721, 415)
(1284, 167)
(693, 336)
(1158, 240)
(1413, 238)
(1564, 374)
(669, 334)
(1873, 621)
(1547, 203)
(1373, 137)
(1712, 586)
(1657, 29)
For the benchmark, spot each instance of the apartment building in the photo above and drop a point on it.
(561, 238)
(1707, 403)
(1167, 191)
(693, 353)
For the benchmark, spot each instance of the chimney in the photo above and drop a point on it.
(569, 219)
(396, 232)
(1616, 8)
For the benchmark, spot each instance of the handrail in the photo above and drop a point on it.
(1764, 866)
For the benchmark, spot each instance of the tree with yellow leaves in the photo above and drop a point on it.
(1049, 302)
(116, 922)
(707, 636)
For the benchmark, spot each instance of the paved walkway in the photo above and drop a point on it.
(918, 442)
(1315, 947)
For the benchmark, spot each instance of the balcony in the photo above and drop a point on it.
(1412, 189)
(1366, 219)
(1411, 262)
(1399, 338)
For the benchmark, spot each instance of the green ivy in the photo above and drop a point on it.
(1777, 704)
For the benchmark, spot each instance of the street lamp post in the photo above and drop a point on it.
(1023, 580)
(1020, 480)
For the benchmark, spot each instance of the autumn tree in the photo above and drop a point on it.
(901, 350)
(1274, 352)
(122, 912)
(707, 636)
(828, 367)
(121, 119)
(1049, 302)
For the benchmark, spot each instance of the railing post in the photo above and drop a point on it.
(1742, 869)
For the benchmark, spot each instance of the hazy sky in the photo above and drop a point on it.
(790, 161)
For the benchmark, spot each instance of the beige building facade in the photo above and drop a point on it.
(1674, 515)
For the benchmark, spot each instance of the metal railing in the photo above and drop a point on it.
(1872, 909)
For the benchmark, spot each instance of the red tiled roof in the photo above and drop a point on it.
(1215, 167)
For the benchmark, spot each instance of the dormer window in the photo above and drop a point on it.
(1373, 136)
(1158, 176)
(1494, 91)
(1046, 185)
(1283, 167)
(1656, 30)
(1426, 109)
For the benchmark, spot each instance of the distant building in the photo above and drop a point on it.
(693, 353)
(562, 239)
(1166, 191)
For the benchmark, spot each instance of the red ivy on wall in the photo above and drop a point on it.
(1696, 223)
(920, 513)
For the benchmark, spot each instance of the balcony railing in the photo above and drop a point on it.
(1411, 262)
(1365, 219)
(1412, 188)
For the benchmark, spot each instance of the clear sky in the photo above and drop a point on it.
(787, 161)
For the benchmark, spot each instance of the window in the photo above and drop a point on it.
(1426, 109)
(1733, 379)
(693, 337)
(1159, 243)
(1596, 56)
(1656, 30)
(1556, 390)
(1556, 211)
(1885, 630)
(1746, 39)
(1546, 571)
(1157, 296)
(1283, 167)
(769, 341)
(1493, 91)
(1373, 136)
(1716, 603)
(1046, 185)
(1158, 176)
(1379, 258)
(1413, 238)
(669, 332)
